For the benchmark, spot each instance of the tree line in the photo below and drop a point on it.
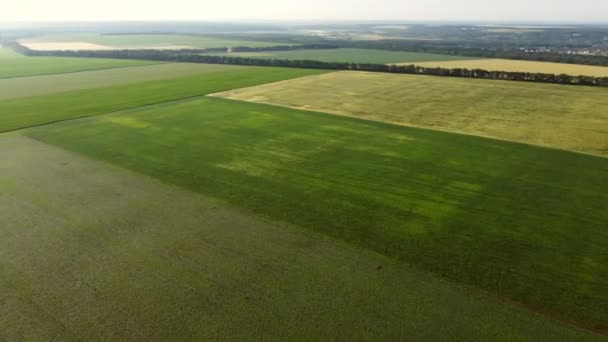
(187, 56)
(469, 48)
(456, 48)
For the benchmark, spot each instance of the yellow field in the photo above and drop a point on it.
(565, 117)
(521, 66)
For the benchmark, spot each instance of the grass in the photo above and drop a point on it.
(40, 85)
(32, 111)
(522, 66)
(524, 222)
(565, 117)
(150, 41)
(154, 262)
(16, 65)
(350, 56)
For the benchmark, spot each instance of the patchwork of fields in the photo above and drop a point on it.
(521, 66)
(133, 206)
(15, 65)
(571, 118)
(513, 222)
(350, 56)
(32, 111)
(17, 87)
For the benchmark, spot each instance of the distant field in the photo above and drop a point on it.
(39, 85)
(350, 56)
(521, 66)
(24, 112)
(150, 41)
(154, 262)
(524, 222)
(573, 118)
(14, 65)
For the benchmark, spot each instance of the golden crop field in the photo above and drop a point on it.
(557, 116)
(495, 64)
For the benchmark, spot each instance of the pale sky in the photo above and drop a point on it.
(478, 10)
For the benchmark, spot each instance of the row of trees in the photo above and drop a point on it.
(471, 48)
(448, 48)
(181, 56)
(284, 47)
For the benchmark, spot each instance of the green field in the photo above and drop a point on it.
(350, 56)
(39, 85)
(151, 41)
(15, 65)
(134, 207)
(572, 118)
(523, 222)
(155, 262)
(31, 111)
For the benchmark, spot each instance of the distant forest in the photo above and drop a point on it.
(484, 49)
(457, 49)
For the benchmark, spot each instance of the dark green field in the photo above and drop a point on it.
(91, 251)
(32, 111)
(523, 222)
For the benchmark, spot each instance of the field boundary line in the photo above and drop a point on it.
(144, 105)
(140, 106)
(394, 124)
(104, 113)
(217, 94)
(80, 71)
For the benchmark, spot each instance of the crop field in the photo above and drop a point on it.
(32, 111)
(523, 222)
(17, 87)
(521, 66)
(155, 262)
(564, 117)
(15, 65)
(350, 56)
(149, 41)
(178, 201)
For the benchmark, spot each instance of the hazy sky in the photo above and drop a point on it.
(480, 10)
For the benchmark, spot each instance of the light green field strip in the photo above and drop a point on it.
(11, 88)
(564, 117)
(349, 56)
(94, 252)
(151, 41)
(39, 110)
(521, 66)
(16, 65)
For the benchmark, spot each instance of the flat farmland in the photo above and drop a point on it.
(17, 87)
(350, 56)
(149, 41)
(523, 222)
(155, 262)
(16, 65)
(521, 66)
(572, 118)
(37, 110)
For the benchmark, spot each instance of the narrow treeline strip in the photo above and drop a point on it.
(188, 56)
(456, 48)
